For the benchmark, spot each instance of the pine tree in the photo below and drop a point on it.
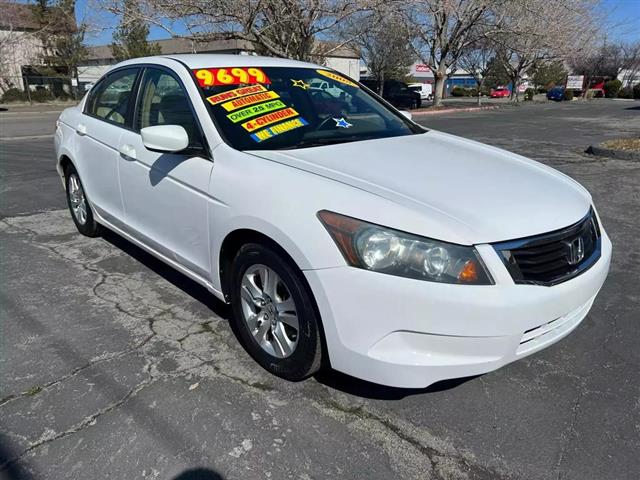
(130, 37)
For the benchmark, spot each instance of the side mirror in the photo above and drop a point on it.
(165, 138)
(406, 114)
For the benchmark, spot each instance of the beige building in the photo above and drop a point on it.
(342, 59)
(22, 53)
(19, 46)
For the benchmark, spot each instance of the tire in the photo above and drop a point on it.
(78, 205)
(262, 313)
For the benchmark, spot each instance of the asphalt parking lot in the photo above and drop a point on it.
(114, 366)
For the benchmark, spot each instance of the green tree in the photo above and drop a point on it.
(130, 37)
(62, 42)
(550, 74)
(497, 73)
(71, 52)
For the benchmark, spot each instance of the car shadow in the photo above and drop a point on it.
(163, 166)
(184, 283)
(199, 474)
(373, 391)
(633, 108)
(328, 377)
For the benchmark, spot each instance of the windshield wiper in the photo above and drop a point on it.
(318, 142)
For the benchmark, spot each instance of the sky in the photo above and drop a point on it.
(623, 16)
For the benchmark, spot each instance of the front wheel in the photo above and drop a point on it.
(274, 314)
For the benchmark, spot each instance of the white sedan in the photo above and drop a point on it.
(342, 233)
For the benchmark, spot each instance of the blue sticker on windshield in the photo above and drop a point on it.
(342, 123)
(274, 130)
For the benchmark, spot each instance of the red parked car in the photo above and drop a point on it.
(500, 92)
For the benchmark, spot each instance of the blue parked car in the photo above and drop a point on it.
(556, 94)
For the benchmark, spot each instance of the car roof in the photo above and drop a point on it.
(211, 60)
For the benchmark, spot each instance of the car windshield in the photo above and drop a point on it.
(267, 108)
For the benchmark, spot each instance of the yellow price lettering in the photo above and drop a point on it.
(205, 76)
(257, 74)
(240, 74)
(223, 77)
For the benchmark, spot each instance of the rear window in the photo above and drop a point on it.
(284, 108)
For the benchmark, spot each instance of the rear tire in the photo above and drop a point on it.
(274, 314)
(81, 212)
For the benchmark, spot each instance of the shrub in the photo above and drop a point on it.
(625, 92)
(41, 95)
(457, 92)
(63, 96)
(528, 94)
(611, 88)
(14, 95)
(543, 89)
(568, 94)
(636, 91)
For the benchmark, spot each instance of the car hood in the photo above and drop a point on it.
(484, 193)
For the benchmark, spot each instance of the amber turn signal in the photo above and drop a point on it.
(469, 273)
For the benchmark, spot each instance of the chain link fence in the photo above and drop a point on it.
(40, 88)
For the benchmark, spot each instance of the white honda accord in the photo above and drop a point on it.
(342, 233)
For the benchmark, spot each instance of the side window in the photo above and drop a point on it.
(110, 100)
(163, 101)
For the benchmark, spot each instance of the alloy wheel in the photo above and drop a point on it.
(77, 199)
(269, 311)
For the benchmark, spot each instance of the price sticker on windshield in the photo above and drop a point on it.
(212, 77)
(337, 78)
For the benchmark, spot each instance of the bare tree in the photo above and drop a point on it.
(384, 40)
(281, 28)
(538, 31)
(630, 67)
(130, 36)
(609, 59)
(9, 40)
(445, 29)
(477, 60)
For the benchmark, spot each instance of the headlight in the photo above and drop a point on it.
(384, 250)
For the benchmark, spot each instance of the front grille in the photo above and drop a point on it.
(553, 257)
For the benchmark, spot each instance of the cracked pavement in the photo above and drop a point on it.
(112, 365)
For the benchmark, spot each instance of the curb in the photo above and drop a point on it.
(454, 110)
(609, 153)
(26, 137)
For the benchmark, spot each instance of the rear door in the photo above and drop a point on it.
(106, 116)
(166, 195)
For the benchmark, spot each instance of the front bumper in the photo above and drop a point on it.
(409, 333)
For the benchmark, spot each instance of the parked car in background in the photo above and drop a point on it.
(500, 92)
(325, 87)
(424, 89)
(556, 94)
(351, 238)
(396, 93)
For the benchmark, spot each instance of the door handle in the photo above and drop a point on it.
(128, 152)
(81, 129)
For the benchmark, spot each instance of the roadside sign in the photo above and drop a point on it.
(421, 67)
(575, 82)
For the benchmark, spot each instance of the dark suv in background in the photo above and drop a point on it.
(396, 93)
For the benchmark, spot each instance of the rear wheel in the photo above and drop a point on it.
(274, 314)
(78, 206)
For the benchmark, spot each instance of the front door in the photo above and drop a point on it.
(166, 195)
(104, 120)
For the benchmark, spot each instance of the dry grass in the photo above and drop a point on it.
(626, 144)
